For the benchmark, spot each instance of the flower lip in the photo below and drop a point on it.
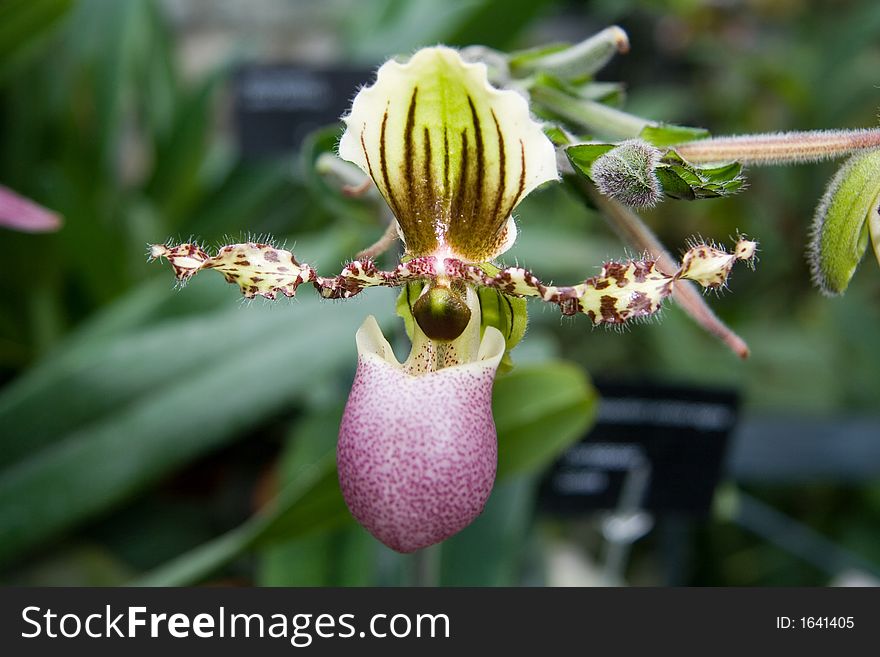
(373, 345)
(417, 454)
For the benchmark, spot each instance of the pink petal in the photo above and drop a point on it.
(20, 213)
(417, 454)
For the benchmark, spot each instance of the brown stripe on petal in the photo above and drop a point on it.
(430, 192)
(521, 185)
(367, 156)
(522, 176)
(409, 150)
(458, 200)
(642, 269)
(616, 271)
(477, 223)
(480, 162)
(502, 173)
(383, 165)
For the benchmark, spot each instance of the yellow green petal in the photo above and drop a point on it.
(451, 154)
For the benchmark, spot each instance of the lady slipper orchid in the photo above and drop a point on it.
(452, 156)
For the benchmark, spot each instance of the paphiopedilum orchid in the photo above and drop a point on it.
(453, 157)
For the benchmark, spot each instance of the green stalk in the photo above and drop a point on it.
(602, 120)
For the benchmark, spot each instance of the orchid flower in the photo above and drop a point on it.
(453, 156)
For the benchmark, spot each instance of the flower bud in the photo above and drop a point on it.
(842, 225)
(628, 173)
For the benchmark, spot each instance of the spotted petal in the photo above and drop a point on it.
(623, 290)
(258, 269)
(451, 154)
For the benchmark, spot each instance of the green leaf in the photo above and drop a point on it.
(494, 23)
(539, 410)
(369, 208)
(662, 135)
(122, 48)
(344, 556)
(685, 181)
(507, 313)
(405, 300)
(195, 565)
(341, 555)
(674, 185)
(22, 23)
(582, 156)
(180, 154)
(273, 356)
(843, 220)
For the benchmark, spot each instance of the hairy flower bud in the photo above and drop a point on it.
(843, 220)
(628, 173)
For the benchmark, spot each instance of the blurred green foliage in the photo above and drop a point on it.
(117, 383)
(171, 436)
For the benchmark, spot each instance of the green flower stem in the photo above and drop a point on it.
(600, 119)
(633, 230)
(582, 59)
(426, 566)
(780, 148)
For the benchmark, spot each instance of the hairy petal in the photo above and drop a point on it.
(623, 290)
(451, 154)
(258, 269)
(263, 270)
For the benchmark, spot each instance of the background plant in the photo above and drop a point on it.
(103, 363)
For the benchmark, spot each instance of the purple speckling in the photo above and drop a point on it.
(417, 454)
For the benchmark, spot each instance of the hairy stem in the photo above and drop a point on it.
(780, 148)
